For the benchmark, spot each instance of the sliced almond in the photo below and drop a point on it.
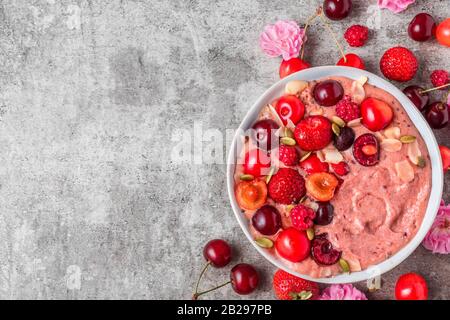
(271, 173)
(295, 87)
(414, 152)
(276, 116)
(354, 123)
(404, 171)
(392, 133)
(320, 155)
(391, 145)
(316, 112)
(305, 156)
(332, 156)
(362, 80)
(358, 92)
(290, 124)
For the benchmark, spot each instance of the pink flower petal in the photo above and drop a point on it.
(438, 238)
(396, 6)
(342, 292)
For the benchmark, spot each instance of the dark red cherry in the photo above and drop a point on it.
(327, 93)
(345, 139)
(437, 115)
(419, 99)
(244, 278)
(323, 252)
(324, 214)
(263, 132)
(422, 27)
(337, 9)
(352, 60)
(217, 252)
(366, 150)
(267, 220)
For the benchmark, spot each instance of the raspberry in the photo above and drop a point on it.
(287, 186)
(341, 168)
(347, 110)
(313, 133)
(399, 64)
(356, 35)
(302, 217)
(288, 155)
(439, 78)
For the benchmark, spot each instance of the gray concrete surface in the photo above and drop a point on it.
(91, 203)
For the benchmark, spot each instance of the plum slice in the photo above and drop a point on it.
(366, 150)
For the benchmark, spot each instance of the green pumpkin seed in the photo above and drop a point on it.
(288, 141)
(344, 265)
(338, 121)
(310, 233)
(336, 129)
(272, 171)
(407, 139)
(421, 162)
(305, 156)
(289, 207)
(305, 295)
(264, 243)
(287, 133)
(246, 177)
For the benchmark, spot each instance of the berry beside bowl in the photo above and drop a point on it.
(328, 160)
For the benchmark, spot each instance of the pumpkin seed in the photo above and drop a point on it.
(305, 295)
(407, 139)
(287, 133)
(305, 156)
(336, 129)
(338, 121)
(288, 141)
(421, 163)
(264, 243)
(354, 123)
(246, 177)
(310, 233)
(344, 265)
(290, 207)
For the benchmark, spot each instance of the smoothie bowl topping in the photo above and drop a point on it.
(333, 177)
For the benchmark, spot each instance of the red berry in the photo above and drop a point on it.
(411, 286)
(288, 155)
(443, 32)
(366, 150)
(312, 164)
(352, 60)
(287, 186)
(347, 110)
(290, 287)
(313, 133)
(327, 93)
(399, 64)
(291, 66)
(341, 168)
(376, 114)
(445, 155)
(217, 252)
(302, 217)
(337, 9)
(422, 27)
(356, 35)
(267, 220)
(290, 107)
(439, 78)
(244, 278)
(256, 163)
(293, 245)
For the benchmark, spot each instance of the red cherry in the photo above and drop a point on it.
(327, 93)
(437, 115)
(422, 27)
(376, 114)
(313, 165)
(337, 9)
(353, 60)
(244, 278)
(256, 163)
(217, 252)
(443, 32)
(293, 245)
(445, 154)
(263, 132)
(291, 66)
(290, 107)
(411, 286)
(414, 93)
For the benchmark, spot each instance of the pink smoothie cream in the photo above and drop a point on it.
(376, 210)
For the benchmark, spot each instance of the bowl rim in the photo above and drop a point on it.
(416, 117)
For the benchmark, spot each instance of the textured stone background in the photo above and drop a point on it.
(91, 204)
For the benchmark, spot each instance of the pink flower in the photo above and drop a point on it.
(342, 292)
(438, 238)
(284, 38)
(395, 5)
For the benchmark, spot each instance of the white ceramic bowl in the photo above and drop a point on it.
(437, 172)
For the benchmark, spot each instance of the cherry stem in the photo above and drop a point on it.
(437, 88)
(307, 24)
(196, 295)
(201, 276)
(328, 27)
